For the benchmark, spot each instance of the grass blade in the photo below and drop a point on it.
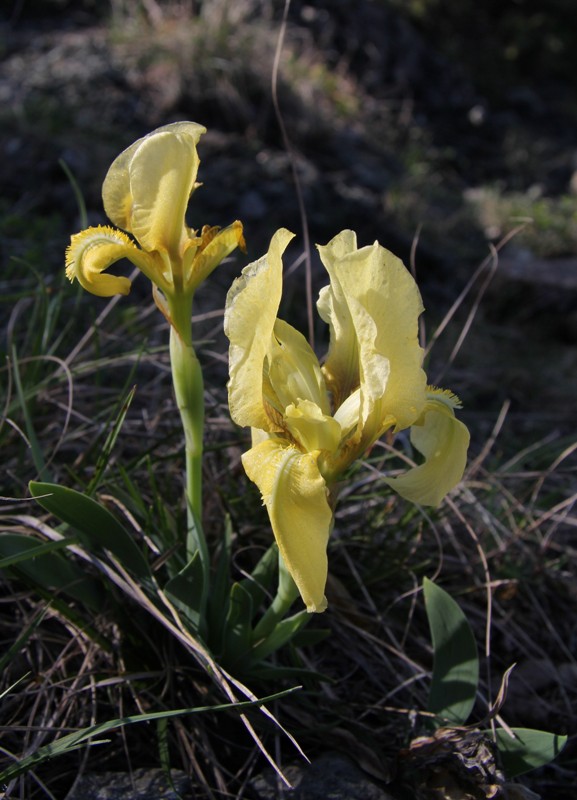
(73, 740)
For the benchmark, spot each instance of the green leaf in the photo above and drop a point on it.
(238, 628)
(528, 750)
(281, 634)
(262, 576)
(185, 591)
(49, 569)
(219, 595)
(26, 552)
(96, 527)
(455, 663)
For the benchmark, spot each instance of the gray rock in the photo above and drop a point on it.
(141, 784)
(330, 777)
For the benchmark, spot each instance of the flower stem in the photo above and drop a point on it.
(189, 391)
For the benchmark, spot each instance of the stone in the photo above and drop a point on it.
(330, 777)
(140, 784)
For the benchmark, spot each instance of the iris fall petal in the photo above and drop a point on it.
(295, 495)
(443, 440)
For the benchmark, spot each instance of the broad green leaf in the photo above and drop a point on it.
(48, 569)
(96, 527)
(261, 578)
(528, 750)
(73, 740)
(39, 549)
(455, 662)
(185, 591)
(219, 595)
(281, 634)
(238, 628)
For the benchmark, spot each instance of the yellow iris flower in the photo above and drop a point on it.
(310, 422)
(146, 192)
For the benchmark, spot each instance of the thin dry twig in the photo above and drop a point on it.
(296, 179)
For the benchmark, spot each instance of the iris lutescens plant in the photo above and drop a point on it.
(310, 422)
(146, 193)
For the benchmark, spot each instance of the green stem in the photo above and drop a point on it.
(286, 594)
(189, 391)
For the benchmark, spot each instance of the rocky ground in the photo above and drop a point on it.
(386, 133)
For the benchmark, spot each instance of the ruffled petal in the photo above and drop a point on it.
(443, 440)
(117, 191)
(249, 318)
(375, 303)
(341, 367)
(94, 250)
(295, 495)
(162, 176)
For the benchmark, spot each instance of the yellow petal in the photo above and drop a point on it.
(373, 309)
(251, 308)
(443, 440)
(311, 428)
(293, 369)
(341, 367)
(220, 245)
(295, 495)
(147, 188)
(94, 250)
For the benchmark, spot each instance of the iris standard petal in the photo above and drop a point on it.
(117, 192)
(249, 318)
(341, 367)
(94, 250)
(295, 495)
(373, 289)
(162, 176)
(443, 440)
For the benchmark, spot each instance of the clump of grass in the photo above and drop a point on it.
(220, 57)
(549, 223)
